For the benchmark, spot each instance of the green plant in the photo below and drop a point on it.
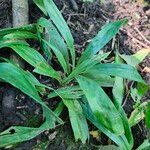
(79, 82)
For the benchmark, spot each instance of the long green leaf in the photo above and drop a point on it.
(59, 56)
(61, 25)
(120, 70)
(54, 37)
(7, 43)
(28, 28)
(20, 35)
(103, 80)
(104, 36)
(147, 115)
(16, 77)
(78, 120)
(35, 59)
(87, 64)
(101, 105)
(40, 4)
(119, 140)
(19, 134)
(136, 58)
(118, 95)
(119, 87)
(70, 92)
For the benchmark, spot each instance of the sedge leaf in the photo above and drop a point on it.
(120, 70)
(35, 59)
(104, 36)
(20, 35)
(78, 120)
(135, 59)
(61, 25)
(28, 28)
(40, 4)
(119, 140)
(54, 37)
(101, 105)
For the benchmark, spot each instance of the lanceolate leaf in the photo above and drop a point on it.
(70, 92)
(119, 140)
(13, 75)
(120, 70)
(104, 36)
(59, 56)
(61, 25)
(102, 107)
(135, 59)
(20, 35)
(118, 95)
(35, 59)
(7, 43)
(21, 134)
(103, 80)
(147, 115)
(28, 28)
(145, 145)
(78, 120)
(40, 4)
(54, 38)
(119, 87)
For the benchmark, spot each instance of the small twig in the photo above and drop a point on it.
(127, 95)
(64, 7)
(144, 38)
(90, 29)
(21, 116)
(76, 14)
(135, 39)
(113, 43)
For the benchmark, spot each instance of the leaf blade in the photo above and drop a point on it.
(104, 36)
(101, 105)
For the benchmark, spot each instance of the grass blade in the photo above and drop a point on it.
(104, 36)
(7, 43)
(40, 4)
(91, 117)
(135, 59)
(28, 28)
(118, 88)
(20, 35)
(78, 120)
(35, 59)
(59, 56)
(70, 92)
(54, 37)
(61, 25)
(102, 107)
(120, 70)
